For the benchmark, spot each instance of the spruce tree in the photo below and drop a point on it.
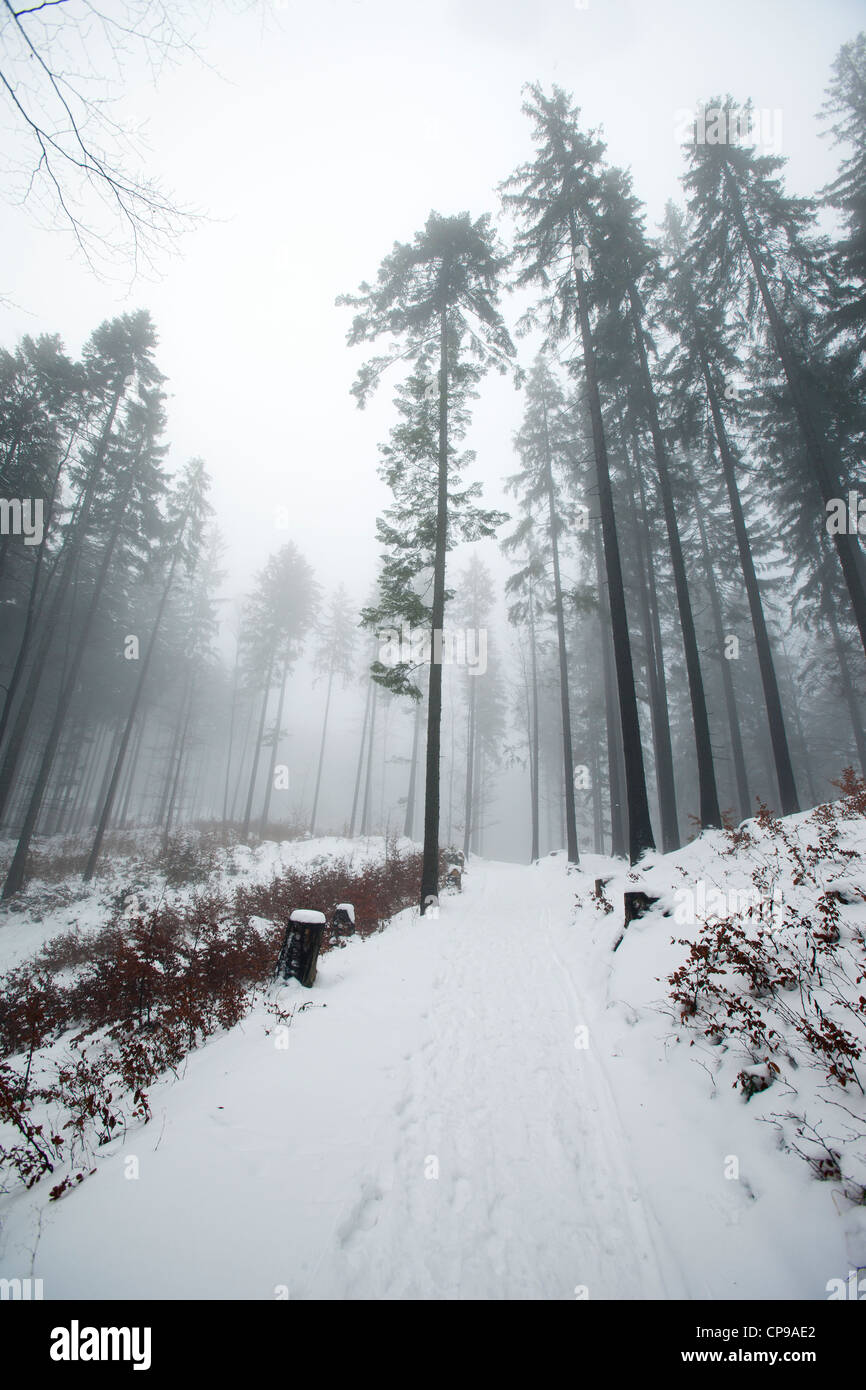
(437, 298)
(556, 201)
(757, 246)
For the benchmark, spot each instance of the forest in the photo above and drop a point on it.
(685, 617)
(433, 658)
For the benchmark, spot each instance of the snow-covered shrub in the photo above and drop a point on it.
(152, 984)
(188, 858)
(779, 986)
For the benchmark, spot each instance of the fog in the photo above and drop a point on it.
(308, 139)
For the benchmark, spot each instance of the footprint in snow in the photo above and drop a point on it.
(363, 1217)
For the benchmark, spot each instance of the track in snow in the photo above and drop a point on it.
(535, 1197)
(305, 1173)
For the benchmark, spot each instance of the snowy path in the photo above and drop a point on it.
(534, 1195)
(443, 1045)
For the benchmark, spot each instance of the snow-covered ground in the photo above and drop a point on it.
(485, 1105)
(45, 910)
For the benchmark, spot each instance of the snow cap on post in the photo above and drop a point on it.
(299, 952)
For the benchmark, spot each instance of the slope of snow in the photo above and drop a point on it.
(43, 911)
(484, 1105)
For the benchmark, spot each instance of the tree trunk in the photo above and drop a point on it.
(367, 704)
(657, 688)
(640, 835)
(181, 753)
(269, 783)
(248, 812)
(162, 812)
(618, 836)
(131, 772)
(70, 554)
(368, 781)
(725, 666)
(15, 876)
(248, 725)
(452, 764)
(595, 773)
(799, 731)
(321, 754)
(133, 711)
(565, 706)
(94, 762)
(430, 860)
(708, 793)
(470, 771)
(533, 731)
(32, 605)
(409, 822)
(232, 712)
(778, 737)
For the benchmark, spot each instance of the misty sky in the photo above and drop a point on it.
(316, 135)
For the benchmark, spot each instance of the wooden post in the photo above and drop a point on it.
(636, 904)
(343, 920)
(300, 949)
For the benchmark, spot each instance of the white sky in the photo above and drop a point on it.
(314, 136)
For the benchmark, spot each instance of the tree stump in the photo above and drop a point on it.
(343, 920)
(636, 904)
(300, 949)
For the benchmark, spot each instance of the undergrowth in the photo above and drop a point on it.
(778, 990)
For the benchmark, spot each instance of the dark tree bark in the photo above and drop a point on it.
(15, 877)
(618, 834)
(430, 859)
(564, 703)
(640, 835)
(131, 716)
(409, 821)
(710, 814)
(70, 553)
(35, 600)
(741, 778)
(655, 681)
(781, 754)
